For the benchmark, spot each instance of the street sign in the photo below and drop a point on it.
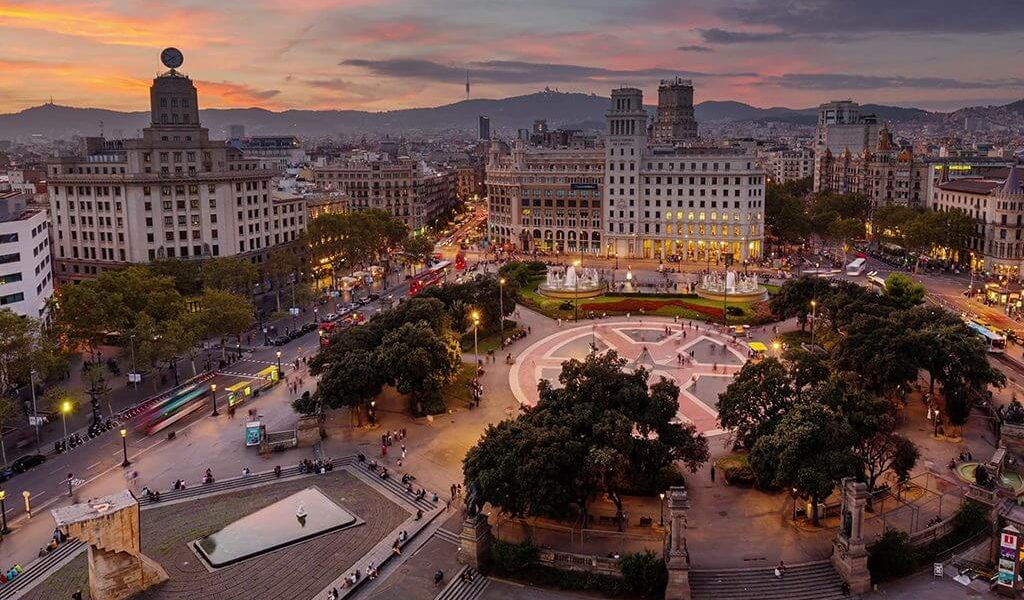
(134, 377)
(36, 421)
(293, 311)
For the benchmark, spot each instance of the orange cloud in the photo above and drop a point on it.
(234, 95)
(103, 26)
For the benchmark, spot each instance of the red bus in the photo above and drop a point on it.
(433, 276)
(460, 261)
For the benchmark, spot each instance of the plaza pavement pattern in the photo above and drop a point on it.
(303, 571)
(655, 344)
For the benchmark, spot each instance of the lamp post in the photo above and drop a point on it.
(373, 415)
(131, 343)
(661, 498)
(35, 413)
(124, 448)
(501, 308)
(279, 362)
(475, 315)
(576, 296)
(213, 390)
(970, 288)
(65, 408)
(28, 504)
(814, 312)
(316, 315)
(3, 511)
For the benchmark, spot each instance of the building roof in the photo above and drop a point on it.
(1013, 182)
(93, 509)
(971, 185)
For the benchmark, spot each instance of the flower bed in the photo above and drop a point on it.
(634, 306)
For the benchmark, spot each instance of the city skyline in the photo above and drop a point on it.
(365, 55)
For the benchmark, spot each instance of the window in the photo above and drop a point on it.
(8, 238)
(11, 298)
(9, 258)
(10, 278)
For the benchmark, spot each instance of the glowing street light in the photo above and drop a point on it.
(65, 408)
(213, 390)
(279, 362)
(814, 312)
(501, 308)
(124, 447)
(475, 316)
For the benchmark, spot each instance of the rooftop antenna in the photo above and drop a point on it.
(101, 128)
(467, 84)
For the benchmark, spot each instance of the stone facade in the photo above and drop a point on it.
(849, 551)
(677, 555)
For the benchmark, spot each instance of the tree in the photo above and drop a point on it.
(842, 230)
(756, 400)
(186, 274)
(352, 381)
(18, 337)
(809, 451)
(282, 264)
(785, 214)
(83, 313)
(902, 291)
(886, 452)
(225, 314)
(8, 413)
(483, 294)
(604, 427)
(418, 249)
(419, 361)
(230, 274)
(795, 296)
(806, 368)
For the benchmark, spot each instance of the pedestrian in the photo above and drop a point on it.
(403, 433)
(383, 439)
(384, 450)
(712, 473)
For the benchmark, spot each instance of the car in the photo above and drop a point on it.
(307, 327)
(330, 317)
(280, 340)
(6, 474)
(27, 462)
(360, 301)
(373, 297)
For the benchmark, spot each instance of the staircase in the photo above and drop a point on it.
(807, 581)
(463, 590)
(40, 569)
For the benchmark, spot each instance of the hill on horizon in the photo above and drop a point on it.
(558, 108)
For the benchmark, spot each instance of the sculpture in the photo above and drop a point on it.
(474, 502)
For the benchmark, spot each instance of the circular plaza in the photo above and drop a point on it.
(697, 358)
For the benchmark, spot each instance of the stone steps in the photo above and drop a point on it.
(809, 581)
(38, 570)
(448, 536)
(222, 485)
(393, 485)
(463, 590)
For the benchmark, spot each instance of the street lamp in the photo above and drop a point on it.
(316, 314)
(661, 498)
(475, 315)
(814, 312)
(35, 413)
(65, 408)
(576, 296)
(213, 390)
(501, 305)
(124, 448)
(279, 362)
(28, 504)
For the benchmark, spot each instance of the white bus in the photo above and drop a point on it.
(857, 267)
(995, 342)
(874, 279)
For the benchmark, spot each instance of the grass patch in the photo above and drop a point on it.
(733, 461)
(491, 341)
(795, 338)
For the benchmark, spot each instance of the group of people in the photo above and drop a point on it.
(56, 540)
(320, 466)
(476, 392)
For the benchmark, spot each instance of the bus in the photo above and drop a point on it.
(434, 275)
(995, 342)
(175, 408)
(877, 281)
(857, 267)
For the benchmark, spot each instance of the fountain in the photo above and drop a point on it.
(738, 288)
(571, 282)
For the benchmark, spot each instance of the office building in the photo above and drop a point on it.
(788, 165)
(543, 199)
(694, 203)
(406, 188)
(26, 272)
(675, 122)
(485, 127)
(841, 127)
(174, 193)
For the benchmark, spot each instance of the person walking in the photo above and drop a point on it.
(712, 473)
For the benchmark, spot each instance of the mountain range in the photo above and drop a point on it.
(560, 109)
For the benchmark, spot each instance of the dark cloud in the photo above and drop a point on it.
(841, 81)
(694, 48)
(846, 17)
(724, 36)
(515, 72)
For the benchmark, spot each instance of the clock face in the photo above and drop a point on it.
(172, 58)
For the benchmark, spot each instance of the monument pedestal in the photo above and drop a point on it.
(849, 552)
(677, 555)
(475, 542)
(109, 526)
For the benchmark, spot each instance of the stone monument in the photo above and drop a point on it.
(849, 552)
(475, 538)
(677, 556)
(109, 526)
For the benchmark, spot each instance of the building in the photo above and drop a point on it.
(26, 272)
(841, 127)
(688, 202)
(325, 203)
(997, 205)
(406, 188)
(275, 152)
(485, 127)
(545, 199)
(885, 174)
(174, 193)
(469, 179)
(789, 164)
(675, 122)
(236, 132)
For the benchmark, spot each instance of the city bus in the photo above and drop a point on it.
(857, 267)
(995, 342)
(174, 409)
(435, 275)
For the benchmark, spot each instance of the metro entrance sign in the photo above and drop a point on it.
(1009, 542)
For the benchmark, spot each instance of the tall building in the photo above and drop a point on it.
(545, 199)
(688, 202)
(789, 164)
(675, 121)
(841, 127)
(404, 187)
(884, 173)
(485, 127)
(236, 132)
(26, 272)
(174, 193)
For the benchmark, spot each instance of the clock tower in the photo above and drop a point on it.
(173, 101)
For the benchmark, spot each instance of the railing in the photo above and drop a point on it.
(578, 562)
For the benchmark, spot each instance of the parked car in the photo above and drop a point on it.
(6, 474)
(280, 340)
(330, 317)
(27, 462)
(307, 327)
(373, 297)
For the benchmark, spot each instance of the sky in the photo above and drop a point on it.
(391, 54)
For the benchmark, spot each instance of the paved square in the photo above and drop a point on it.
(716, 359)
(297, 572)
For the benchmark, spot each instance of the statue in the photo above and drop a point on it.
(300, 512)
(474, 502)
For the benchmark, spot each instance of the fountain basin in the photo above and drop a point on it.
(569, 284)
(727, 286)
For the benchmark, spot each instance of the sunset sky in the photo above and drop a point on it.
(387, 54)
